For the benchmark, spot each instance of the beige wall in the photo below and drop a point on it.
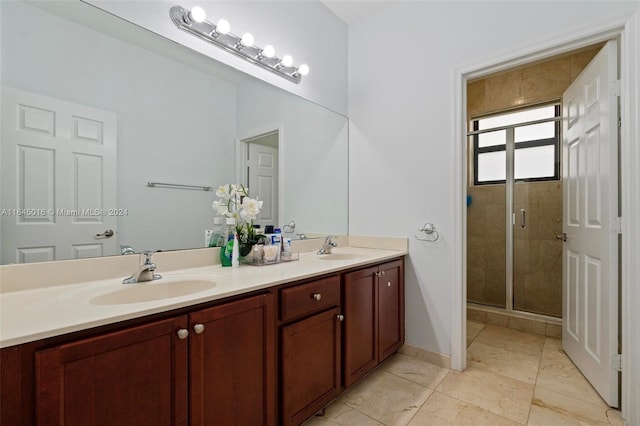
(531, 84)
(537, 253)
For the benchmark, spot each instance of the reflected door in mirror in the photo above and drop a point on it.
(58, 179)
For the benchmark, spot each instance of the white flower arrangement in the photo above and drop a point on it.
(233, 201)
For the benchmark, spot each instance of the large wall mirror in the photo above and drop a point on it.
(94, 108)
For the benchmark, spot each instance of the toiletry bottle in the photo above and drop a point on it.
(226, 252)
(235, 253)
(218, 233)
(286, 248)
(276, 237)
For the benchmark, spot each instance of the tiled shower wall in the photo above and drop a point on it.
(537, 253)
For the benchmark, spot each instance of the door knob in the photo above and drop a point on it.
(108, 233)
(562, 236)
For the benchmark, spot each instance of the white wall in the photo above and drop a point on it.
(314, 150)
(401, 110)
(307, 30)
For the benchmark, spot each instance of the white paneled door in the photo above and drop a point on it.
(262, 179)
(590, 252)
(58, 179)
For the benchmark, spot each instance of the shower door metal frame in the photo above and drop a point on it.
(510, 216)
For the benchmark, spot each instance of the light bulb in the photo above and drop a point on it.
(286, 61)
(223, 26)
(198, 14)
(269, 51)
(247, 40)
(303, 69)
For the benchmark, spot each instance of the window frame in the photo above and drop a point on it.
(554, 141)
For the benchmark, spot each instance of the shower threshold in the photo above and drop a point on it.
(524, 321)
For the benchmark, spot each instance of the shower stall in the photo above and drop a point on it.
(514, 205)
(514, 214)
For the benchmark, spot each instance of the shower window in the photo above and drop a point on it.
(535, 135)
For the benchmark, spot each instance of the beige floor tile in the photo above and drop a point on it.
(443, 410)
(473, 329)
(516, 365)
(498, 394)
(415, 370)
(341, 414)
(387, 398)
(512, 340)
(559, 374)
(554, 408)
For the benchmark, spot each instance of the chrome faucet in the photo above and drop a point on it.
(145, 272)
(328, 245)
(126, 250)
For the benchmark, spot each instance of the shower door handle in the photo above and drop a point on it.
(523, 218)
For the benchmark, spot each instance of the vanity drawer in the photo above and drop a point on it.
(311, 297)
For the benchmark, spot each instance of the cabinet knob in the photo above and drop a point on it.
(382, 273)
(340, 317)
(198, 328)
(388, 283)
(377, 274)
(183, 333)
(316, 296)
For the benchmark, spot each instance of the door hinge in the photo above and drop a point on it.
(616, 225)
(615, 89)
(616, 363)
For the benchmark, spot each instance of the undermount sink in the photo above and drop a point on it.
(153, 290)
(339, 256)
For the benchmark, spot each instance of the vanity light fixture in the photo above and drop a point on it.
(195, 23)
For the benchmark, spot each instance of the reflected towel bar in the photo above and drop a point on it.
(180, 186)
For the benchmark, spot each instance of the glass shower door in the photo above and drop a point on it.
(537, 218)
(513, 258)
(486, 218)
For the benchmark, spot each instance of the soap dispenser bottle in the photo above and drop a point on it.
(226, 252)
(218, 233)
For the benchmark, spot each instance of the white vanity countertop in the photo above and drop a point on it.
(37, 313)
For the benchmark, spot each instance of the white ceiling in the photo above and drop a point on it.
(352, 10)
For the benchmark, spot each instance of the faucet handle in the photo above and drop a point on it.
(329, 240)
(146, 257)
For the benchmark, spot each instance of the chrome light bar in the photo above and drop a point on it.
(219, 35)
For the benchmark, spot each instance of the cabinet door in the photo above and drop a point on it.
(136, 376)
(232, 359)
(360, 324)
(390, 309)
(310, 370)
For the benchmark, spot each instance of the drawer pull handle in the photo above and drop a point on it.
(198, 328)
(316, 296)
(388, 283)
(340, 317)
(183, 333)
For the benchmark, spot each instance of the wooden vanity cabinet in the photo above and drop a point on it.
(232, 363)
(373, 305)
(310, 348)
(132, 376)
(214, 366)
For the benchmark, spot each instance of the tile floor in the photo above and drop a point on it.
(512, 378)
